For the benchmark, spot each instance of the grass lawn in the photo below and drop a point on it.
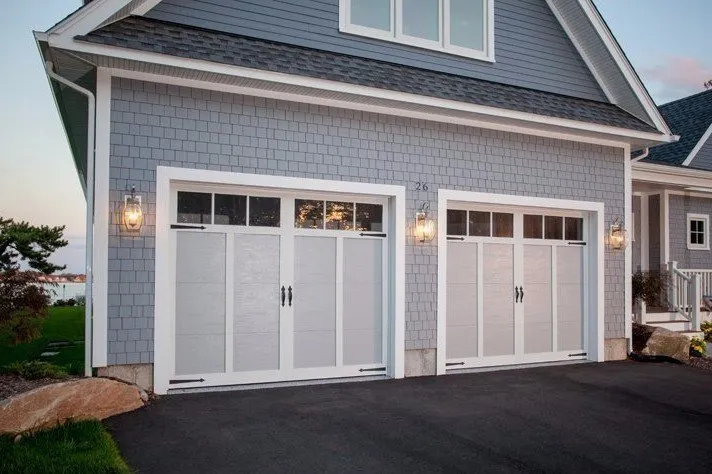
(74, 447)
(61, 324)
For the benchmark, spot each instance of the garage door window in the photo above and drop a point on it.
(264, 211)
(194, 208)
(230, 209)
(337, 215)
(480, 223)
(227, 209)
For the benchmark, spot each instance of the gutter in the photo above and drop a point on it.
(91, 119)
(643, 156)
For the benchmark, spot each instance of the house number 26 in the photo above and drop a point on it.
(420, 186)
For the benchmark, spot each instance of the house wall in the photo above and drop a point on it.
(531, 48)
(636, 249)
(154, 124)
(654, 232)
(680, 206)
(703, 158)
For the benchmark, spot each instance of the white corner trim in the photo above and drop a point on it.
(698, 146)
(145, 7)
(664, 228)
(165, 256)
(624, 65)
(596, 296)
(698, 217)
(102, 220)
(524, 120)
(87, 18)
(628, 265)
(644, 232)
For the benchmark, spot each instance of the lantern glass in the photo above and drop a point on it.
(617, 237)
(133, 214)
(424, 227)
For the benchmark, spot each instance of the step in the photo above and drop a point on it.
(668, 316)
(672, 325)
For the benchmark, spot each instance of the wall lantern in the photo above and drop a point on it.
(617, 236)
(132, 212)
(424, 226)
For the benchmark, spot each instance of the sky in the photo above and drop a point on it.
(666, 42)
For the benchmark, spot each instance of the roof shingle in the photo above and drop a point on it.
(188, 42)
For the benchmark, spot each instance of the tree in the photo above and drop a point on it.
(32, 244)
(23, 299)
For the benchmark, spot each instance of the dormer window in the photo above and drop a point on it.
(461, 27)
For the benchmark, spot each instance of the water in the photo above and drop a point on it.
(64, 291)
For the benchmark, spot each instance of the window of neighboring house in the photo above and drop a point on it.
(462, 27)
(698, 232)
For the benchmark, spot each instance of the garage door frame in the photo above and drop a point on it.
(164, 291)
(595, 248)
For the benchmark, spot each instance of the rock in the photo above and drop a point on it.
(81, 399)
(655, 342)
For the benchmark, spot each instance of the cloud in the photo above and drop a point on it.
(677, 77)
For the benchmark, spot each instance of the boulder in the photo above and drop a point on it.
(655, 342)
(81, 399)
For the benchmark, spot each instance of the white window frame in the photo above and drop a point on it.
(443, 44)
(705, 218)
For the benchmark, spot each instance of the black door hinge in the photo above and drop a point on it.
(362, 234)
(579, 354)
(455, 238)
(181, 226)
(375, 369)
(175, 381)
(577, 243)
(450, 364)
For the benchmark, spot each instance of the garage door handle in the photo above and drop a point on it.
(516, 294)
(521, 294)
(290, 296)
(283, 296)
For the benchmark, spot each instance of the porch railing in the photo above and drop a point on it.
(685, 292)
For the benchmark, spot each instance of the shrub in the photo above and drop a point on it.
(698, 347)
(71, 302)
(59, 303)
(651, 287)
(23, 304)
(36, 369)
(81, 300)
(707, 329)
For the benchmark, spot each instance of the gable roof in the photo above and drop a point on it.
(193, 43)
(579, 18)
(691, 119)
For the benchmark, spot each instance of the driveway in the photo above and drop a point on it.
(613, 417)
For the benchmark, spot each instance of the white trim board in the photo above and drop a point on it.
(706, 136)
(628, 265)
(671, 175)
(595, 238)
(165, 259)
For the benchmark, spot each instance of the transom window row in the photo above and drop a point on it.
(501, 224)
(337, 215)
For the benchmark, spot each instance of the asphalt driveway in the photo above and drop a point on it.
(614, 417)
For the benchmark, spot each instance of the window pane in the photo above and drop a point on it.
(480, 223)
(421, 18)
(308, 214)
(533, 226)
(502, 224)
(574, 228)
(371, 13)
(194, 208)
(456, 222)
(553, 227)
(467, 23)
(264, 211)
(369, 217)
(339, 215)
(230, 209)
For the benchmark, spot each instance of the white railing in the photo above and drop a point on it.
(685, 292)
(705, 279)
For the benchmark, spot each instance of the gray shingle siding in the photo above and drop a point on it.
(679, 207)
(532, 50)
(154, 124)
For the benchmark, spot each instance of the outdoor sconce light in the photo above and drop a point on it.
(132, 212)
(424, 226)
(617, 236)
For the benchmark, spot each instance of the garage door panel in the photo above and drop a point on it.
(314, 349)
(363, 261)
(570, 311)
(462, 262)
(461, 304)
(256, 351)
(363, 346)
(363, 306)
(200, 354)
(201, 257)
(499, 264)
(498, 320)
(256, 259)
(200, 308)
(315, 259)
(536, 302)
(461, 341)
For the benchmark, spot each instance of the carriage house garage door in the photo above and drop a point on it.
(520, 281)
(274, 284)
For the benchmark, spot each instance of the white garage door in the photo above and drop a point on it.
(516, 280)
(277, 286)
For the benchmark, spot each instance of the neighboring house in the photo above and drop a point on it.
(672, 204)
(282, 150)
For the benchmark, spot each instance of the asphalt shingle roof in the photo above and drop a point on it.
(155, 36)
(690, 118)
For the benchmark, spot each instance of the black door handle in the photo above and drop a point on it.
(290, 296)
(521, 294)
(516, 294)
(283, 296)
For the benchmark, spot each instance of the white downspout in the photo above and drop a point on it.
(641, 157)
(91, 119)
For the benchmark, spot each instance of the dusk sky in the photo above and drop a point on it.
(667, 42)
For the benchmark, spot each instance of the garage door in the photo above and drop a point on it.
(277, 286)
(516, 281)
